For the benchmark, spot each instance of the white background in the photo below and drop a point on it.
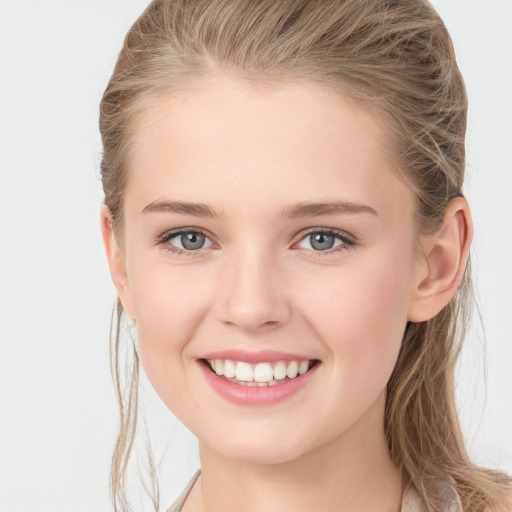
(57, 411)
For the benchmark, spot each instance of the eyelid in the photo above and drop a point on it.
(348, 239)
(164, 238)
(328, 231)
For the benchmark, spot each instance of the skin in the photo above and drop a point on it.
(259, 284)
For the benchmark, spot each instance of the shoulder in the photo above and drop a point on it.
(178, 505)
(505, 506)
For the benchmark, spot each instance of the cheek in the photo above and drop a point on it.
(169, 305)
(361, 315)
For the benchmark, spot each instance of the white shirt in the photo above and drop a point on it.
(410, 502)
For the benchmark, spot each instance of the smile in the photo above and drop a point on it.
(257, 379)
(261, 374)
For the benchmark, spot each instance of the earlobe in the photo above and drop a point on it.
(446, 254)
(115, 261)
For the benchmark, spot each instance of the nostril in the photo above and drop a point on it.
(252, 299)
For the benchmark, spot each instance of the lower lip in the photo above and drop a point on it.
(256, 395)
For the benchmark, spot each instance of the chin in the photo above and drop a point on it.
(276, 450)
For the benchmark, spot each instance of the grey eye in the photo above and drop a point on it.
(190, 241)
(321, 241)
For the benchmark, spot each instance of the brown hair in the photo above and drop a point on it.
(393, 57)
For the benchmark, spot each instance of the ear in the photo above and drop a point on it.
(116, 261)
(446, 254)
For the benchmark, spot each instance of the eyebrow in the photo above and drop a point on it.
(299, 210)
(327, 208)
(195, 209)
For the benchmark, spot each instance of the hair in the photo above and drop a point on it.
(392, 57)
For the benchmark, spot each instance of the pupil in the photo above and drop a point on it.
(192, 241)
(322, 241)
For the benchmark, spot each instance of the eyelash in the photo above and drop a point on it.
(346, 239)
(169, 235)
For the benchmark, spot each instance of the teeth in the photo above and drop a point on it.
(244, 372)
(229, 369)
(293, 369)
(261, 374)
(280, 371)
(304, 367)
(218, 366)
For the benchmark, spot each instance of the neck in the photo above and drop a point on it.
(353, 472)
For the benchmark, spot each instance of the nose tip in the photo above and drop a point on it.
(262, 317)
(253, 298)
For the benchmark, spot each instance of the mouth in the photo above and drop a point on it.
(262, 374)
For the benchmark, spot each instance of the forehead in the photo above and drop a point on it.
(225, 142)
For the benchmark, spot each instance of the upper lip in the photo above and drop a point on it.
(262, 356)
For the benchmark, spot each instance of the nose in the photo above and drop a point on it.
(252, 293)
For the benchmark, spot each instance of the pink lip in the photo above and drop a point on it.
(255, 395)
(263, 356)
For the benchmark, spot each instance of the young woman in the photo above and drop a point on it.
(285, 225)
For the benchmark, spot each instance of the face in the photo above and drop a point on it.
(267, 239)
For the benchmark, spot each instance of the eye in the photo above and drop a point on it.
(187, 240)
(324, 241)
